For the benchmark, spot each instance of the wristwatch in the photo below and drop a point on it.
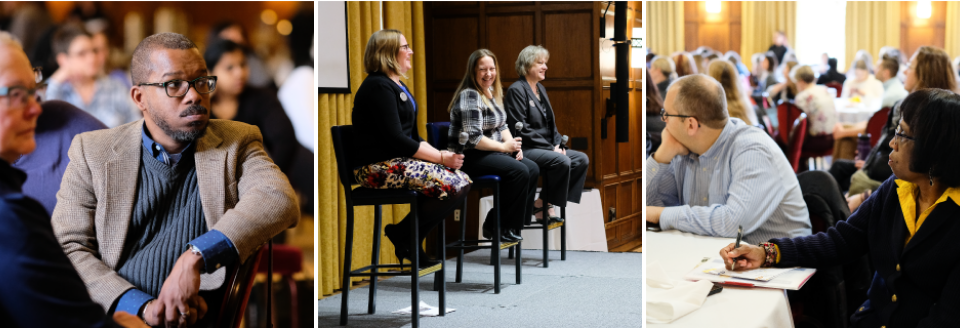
(193, 249)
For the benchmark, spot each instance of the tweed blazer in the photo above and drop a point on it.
(243, 193)
(539, 124)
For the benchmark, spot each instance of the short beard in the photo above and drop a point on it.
(184, 136)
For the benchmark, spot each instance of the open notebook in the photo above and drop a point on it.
(782, 278)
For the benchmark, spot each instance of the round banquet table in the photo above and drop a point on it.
(849, 112)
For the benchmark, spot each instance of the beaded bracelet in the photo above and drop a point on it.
(771, 254)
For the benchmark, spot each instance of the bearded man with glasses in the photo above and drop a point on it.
(152, 212)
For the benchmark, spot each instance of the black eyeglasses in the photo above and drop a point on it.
(179, 88)
(664, 115)
(899, 134)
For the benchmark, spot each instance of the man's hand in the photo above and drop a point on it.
(128, 320)
(520, 155)
(179, 294)
(669, 148)
(653, 214)
(560, 150)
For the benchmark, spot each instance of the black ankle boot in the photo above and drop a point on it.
(399, 243)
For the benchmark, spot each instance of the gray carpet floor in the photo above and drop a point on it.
(589, 289)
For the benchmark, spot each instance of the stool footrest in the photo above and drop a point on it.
(424, 271)
(539, 226)
(462, 244)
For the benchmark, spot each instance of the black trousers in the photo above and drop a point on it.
(518, 183)
(566, 174)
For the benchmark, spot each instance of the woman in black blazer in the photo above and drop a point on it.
(527, 102)
(235, 100)
(908, 227)
(491, 149)
(389, 153)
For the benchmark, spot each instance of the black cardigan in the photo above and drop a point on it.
(924, 276)
(540, 126)
(385, 122)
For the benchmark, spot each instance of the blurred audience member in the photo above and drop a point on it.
(863, 84)
(652, 118)
(233, 100)
(685, 64)
(56, 127)
(780, 45)
(297, 92)
(765, 77)
(78, 82)
(817, 102)
(259, 75)
(893, 90)
(724, 72)
(832, 75)
(786, 90)
(662, 72)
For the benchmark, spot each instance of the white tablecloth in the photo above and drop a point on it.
(585, 228)
(850, 112)
(679, 252)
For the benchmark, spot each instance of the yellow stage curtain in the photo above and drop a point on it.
(952, 42)
(760, 20)
(363, 19)
(872, 25)
(665, 34)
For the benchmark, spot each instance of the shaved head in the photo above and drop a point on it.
(141, 65)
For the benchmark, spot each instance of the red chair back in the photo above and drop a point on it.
(875, 125)
(786, 113)
(836, 85)
(796, 137)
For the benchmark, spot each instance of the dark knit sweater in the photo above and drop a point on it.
(166, 216)
(924, 275)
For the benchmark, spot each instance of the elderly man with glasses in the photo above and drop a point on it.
(152, 212)
(713, 174)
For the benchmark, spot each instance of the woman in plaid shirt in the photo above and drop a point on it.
(477, 109)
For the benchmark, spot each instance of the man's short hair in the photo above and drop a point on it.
(529, 56)
(701, 96)
(65, 36)
(890, 65)
(140, 65)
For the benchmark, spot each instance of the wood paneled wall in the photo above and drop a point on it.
(916, 32)
(621, 164)
(570, 30)
(720, 31)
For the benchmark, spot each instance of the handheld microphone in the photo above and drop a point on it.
(563, 141)
(464, 137)
(518, 127)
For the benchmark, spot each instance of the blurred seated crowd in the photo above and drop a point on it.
(728, 149)
(136, 190)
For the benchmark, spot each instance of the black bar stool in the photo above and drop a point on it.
(437, 136)
(342, 145)
(546, 226)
